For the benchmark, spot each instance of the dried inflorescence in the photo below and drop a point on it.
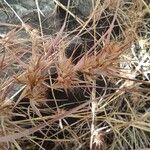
(104, 62)
(100, 63)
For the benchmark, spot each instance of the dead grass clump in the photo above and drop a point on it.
(94, 96)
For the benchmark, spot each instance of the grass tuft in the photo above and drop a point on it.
(84, 87)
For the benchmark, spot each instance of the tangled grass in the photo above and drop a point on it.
(107, 88)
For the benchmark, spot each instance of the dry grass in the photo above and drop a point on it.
(113, 115)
